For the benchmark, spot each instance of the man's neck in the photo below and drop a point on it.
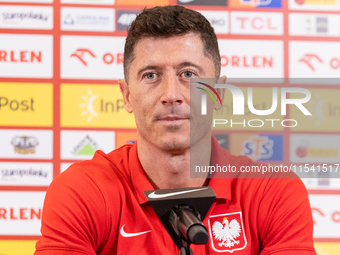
(167, 170)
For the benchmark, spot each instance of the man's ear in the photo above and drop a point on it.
(124, 88)
(220, 91)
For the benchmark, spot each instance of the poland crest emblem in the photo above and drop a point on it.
(226, 232)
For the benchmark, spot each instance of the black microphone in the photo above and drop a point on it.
(186, 221)
(181, 212)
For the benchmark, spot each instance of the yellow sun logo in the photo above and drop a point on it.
(89, 105)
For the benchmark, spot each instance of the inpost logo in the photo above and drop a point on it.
(238, 106)
(93, 106)
(325, 108)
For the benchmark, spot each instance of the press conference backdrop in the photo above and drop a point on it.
(60, 62)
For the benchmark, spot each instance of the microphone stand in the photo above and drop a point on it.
(187, 224)
(185, 249)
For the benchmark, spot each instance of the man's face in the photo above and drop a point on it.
(159, 88)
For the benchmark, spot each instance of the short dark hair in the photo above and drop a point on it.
(167, 21)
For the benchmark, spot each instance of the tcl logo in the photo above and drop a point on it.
(20, 56)
(335, 216)
(314, 60)
(247, 61)
(256, 23)
(84, 55)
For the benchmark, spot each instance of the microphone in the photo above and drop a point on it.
(181, 212)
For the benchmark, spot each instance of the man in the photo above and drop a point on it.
(98, 206)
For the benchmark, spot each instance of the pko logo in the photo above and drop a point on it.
(239, 103)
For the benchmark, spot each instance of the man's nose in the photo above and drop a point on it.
(172, 91)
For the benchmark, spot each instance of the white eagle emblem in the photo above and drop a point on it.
(228, 233)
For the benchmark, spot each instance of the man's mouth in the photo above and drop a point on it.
(173, 120)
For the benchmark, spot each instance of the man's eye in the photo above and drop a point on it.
(150, 76)
(187, 74)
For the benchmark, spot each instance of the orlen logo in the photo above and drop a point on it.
(317, 212)
(85, 55)
(20, 56)
(313, 60)
(26, 56)
(247, 61)
(308, 59)
(92, 57)
(20, 213)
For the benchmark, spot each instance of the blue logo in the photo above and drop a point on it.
(264, 148)
(257, 3)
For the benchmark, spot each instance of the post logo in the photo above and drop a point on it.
(26, 104)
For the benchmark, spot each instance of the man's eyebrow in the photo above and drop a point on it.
(188, 63)
(148, 68)
(181, 65)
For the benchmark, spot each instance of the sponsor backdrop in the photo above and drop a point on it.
(60, 61)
